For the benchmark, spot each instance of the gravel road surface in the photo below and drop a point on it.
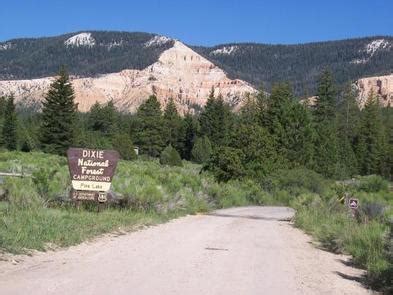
(248, 250)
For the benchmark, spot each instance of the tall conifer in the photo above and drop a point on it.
(58, 114)
(149, 133)
(326, 144)
(371, 145)
(174, 127)
(9, 134)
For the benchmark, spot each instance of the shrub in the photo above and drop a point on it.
(21, 193)
(123, 144)
(295, 181)
(169, 156)
(372, 183)
(226, 164)
(202, 150)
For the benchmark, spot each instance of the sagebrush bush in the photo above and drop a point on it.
(371, 183)
(295, 182)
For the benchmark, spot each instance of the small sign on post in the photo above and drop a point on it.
(353, 203)
(91, 173)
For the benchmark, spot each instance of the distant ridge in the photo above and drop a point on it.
(90, 53)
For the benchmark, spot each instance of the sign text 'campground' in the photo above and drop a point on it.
(92, 170)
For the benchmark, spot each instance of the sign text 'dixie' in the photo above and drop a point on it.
(92, 170)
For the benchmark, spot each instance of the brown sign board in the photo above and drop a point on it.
(92, 170)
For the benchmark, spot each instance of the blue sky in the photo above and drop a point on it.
(202, 22)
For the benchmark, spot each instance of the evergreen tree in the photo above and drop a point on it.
(348, 116)
(174, 127)
(202, 150)
(58, 114)
(9, 134)
(298, 136)
(191, 132)
(387, 114)
(103, 118)
(3, 103)
(123, 144)
(149, 132)
(258, 150)
(226, 164)
(216, 120)
(326, 144)
(169, 156)
(290, 125)
(371, 146)
(325, 107)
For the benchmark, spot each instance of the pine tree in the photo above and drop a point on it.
(388, 123)
(348, 125)
(326, 143)
(290, 125)
(169, 156)
(103, 118)
(226, 164)
(174, 127)
(325, 107)
(216, 120)
(58, 113)
(122, 143)
(192, 129)
(371, 146)
(258, 149)
(149, 132)
(9, 134)
(202, 150)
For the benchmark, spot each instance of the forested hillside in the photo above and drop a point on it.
(98, 52)
(301, 64)
(84, 54)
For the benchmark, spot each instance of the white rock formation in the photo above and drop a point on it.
(157, 41)
(5, 46)
(226, 50)
(375, 45)
(371, 48)
(82, 39)
(381, 86)
(179, 73)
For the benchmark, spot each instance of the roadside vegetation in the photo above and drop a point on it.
(273, 151)
(36, 212)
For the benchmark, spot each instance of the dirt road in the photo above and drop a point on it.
(232, 251)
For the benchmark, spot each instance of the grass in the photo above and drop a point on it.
(38, 212)
(365, 238)
(39, 228)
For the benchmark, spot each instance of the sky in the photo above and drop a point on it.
(202, 22)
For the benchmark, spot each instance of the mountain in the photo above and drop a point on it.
(99, 52)
(301, 64)
(178, 72)
(127, 67)
(84, 53)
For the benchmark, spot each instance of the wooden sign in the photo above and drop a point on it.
(91, 170)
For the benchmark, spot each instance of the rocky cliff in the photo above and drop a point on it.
(179, 73)
(381, 86)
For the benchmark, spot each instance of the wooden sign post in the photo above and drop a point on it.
(91, 173)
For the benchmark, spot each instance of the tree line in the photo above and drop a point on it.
(270, 132)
